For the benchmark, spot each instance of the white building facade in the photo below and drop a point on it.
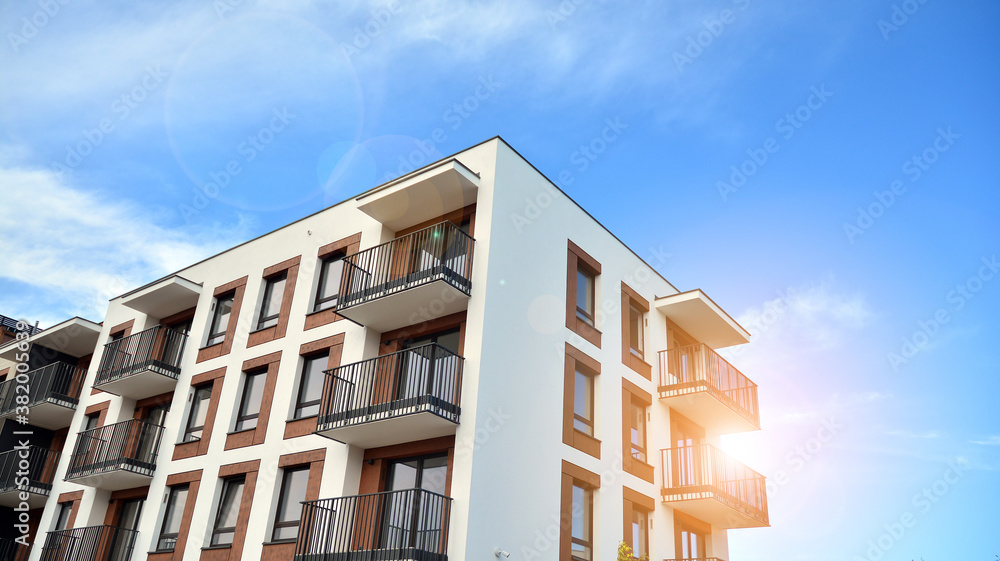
(456, 362)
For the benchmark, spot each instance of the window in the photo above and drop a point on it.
(270, 309)
(640, 535)
(220, 319)
(253, 394)
(199, 411)
(582, 295)
(690, 538)
(229, 508)
(637, 509)
(311, 386)
(293, 492)
(585, 296)
(638, 431)
(330, 272)
(62, 519)
(583, 523)
(583, 403)
(580, 402)
(172, 517)
(91, 421)
(636, 321)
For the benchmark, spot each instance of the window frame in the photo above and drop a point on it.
(218, 337)
(574, 477)
(320, 302)
(583, 322)
(588, 521)
(636, 504)
(256, 376)
(169, 509)
(635, 325)
(227, 484)
(637, 330)
(299, 404)
(195, 402)
(59, 523)
(282, 524)
(581, 373)
(590, 281)
(643, 448)
(580, 364)
(272, 293)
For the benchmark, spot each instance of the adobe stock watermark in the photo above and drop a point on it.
(486, 87)
(703, 39)
(772, 311)
(922, 501)
(32, 25)
(581, 158)
(122, 107)
(797, 458)
(957, 299)
(899, 16)
(914, 168)
(787, 127)
(564, 11)
(248, 149)
(379, 20)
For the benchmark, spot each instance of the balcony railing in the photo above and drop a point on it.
(700, 477)
(157, 349)
(439, 252)
(58, 383)
(697, 368)
(30, 469)
(696, 559)
(131, 446)
(13, 551)
(391, 526)
(422, 379)
(93, 543)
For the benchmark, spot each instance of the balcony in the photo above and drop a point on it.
(93, 543)
(413, 278)
(52, 392)
(704, 387)
(400, 397)
(142, 365)
(12, 551)
(27, 470)
(704, 482)
(408, 525)
(115, 457)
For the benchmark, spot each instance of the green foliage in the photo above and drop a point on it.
(625, 553)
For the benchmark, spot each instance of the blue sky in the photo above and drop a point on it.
(823, 170)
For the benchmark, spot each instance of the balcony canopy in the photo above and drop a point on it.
(418, 198)
(164, 297)
(75, 337)
(703, 319)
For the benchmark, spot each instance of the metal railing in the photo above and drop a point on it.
(58, 383)
(704, 471)
(130, 445)
(425, 378)
(408, 524)
(93, 543)
(157, 349)
(30, 469)
(11, 325)
(13, 551)
(698, 368)
(439, 252)
(696, 559)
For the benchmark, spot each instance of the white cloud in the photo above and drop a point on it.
(992, 440)
(67, 251)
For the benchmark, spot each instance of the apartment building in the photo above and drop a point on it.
(457, 364)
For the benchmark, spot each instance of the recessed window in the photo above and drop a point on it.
(253, 394)
(310, 392)
(585, 296)
(638, 431)
(690, 542)
(199, 411)
(224, 529)
(640, 534)
(583, 403)
(91, 421)
(582, 547)
(293, 492)
(220, 319)
(330, 272)
(62, 519)
(172, 517)
(270, 309)
(636, 334)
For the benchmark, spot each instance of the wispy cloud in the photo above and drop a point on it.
(67, 250)
(992, 440)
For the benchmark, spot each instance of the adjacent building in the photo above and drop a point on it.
(457, 364)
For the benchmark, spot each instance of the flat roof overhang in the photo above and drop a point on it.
(418, 198)
(696, 313)
(164, 297)
(75, 337)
